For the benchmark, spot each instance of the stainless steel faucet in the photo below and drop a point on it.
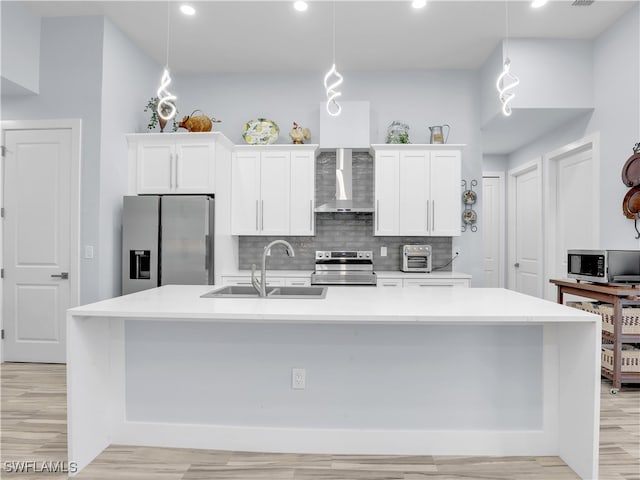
(261, 285)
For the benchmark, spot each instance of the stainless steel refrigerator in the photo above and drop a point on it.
(166, 240)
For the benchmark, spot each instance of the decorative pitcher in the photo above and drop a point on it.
(437, 135)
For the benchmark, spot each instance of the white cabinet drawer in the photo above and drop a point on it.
(432, 282)
(271, 281)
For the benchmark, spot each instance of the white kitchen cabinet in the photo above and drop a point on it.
(273, 190)
(386, 193)
(172, 163)
(419, 280)
(298, 281)
(390, 282)
(445, 178)
(303, 189)
(275, 194)
(272, 280)
(417, 190)
(434, 282)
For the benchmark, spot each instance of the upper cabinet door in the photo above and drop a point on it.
(414, 199)
(195, 168)
(172, 163)
(275, 193)
(445, 177)
(303, 167)
(386, 193)
(155, 166)
(245, 193)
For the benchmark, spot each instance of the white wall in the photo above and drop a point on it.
(495, 163)
(490, 106)
(90, 70)
(553, 73)
(129, 79)
(71, 78)
(419, 99)
(616, 84)
(20, 39)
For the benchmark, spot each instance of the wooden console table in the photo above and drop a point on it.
(618, 297)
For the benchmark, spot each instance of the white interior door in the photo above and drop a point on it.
(525, 225)
(573, 206)
(493, 240)
(36, 244)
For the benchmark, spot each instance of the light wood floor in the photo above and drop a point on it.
(34, 428)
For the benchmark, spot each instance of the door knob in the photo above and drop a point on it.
(516, 265)
(63, 276)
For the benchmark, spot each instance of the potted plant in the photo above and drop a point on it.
(152, 105)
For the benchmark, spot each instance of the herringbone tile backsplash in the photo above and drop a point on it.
(341, 231)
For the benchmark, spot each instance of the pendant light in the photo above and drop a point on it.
(165, 98)
(506, 81)
(333, 107)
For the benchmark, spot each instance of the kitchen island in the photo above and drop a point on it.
(387, 371)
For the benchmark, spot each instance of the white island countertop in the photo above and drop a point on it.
(341, 304)
(389, 371)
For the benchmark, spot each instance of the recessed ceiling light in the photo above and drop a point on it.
(187, 9)
(300, 5)
(418, 3)
(538, 3)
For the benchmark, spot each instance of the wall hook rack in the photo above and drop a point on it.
(469, 215)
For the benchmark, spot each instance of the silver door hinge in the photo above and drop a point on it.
(1, 272)
(2, 334)
(3, 149)
(2, 212)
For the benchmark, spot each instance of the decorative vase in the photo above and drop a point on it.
(162, 122)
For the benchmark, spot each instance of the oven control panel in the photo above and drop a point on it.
(344, 255)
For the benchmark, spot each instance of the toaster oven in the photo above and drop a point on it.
(416, 258)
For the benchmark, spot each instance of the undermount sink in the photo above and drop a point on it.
(241, 291)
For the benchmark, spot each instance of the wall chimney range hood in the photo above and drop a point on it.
(344, 192)
(347, 131)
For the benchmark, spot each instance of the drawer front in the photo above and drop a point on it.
(431, 282)
(389, 282)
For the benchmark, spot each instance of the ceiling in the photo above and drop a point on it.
(269, 36)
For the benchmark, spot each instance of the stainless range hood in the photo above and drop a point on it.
(344, 190)
(347, 131)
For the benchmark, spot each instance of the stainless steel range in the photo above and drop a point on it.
(344, 267)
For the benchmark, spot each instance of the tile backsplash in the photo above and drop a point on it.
(341, 231)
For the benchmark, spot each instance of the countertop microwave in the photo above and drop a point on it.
(604, 266)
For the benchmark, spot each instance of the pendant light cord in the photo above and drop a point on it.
(334, 31)
(168, 32)
(506, 27)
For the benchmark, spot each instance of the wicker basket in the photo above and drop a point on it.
(630, 358)
(630, 316)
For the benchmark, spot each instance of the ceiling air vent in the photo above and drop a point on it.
(582, 3)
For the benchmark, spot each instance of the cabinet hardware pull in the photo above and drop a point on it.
(433, 216)
(257, 228)
(517, 265)
(310, 215)
(63, 276)
(377, 215)
(177, 160)
(262, 214)
(171, 171)
(428, 218)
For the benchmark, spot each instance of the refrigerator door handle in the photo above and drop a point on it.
(207, 252)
